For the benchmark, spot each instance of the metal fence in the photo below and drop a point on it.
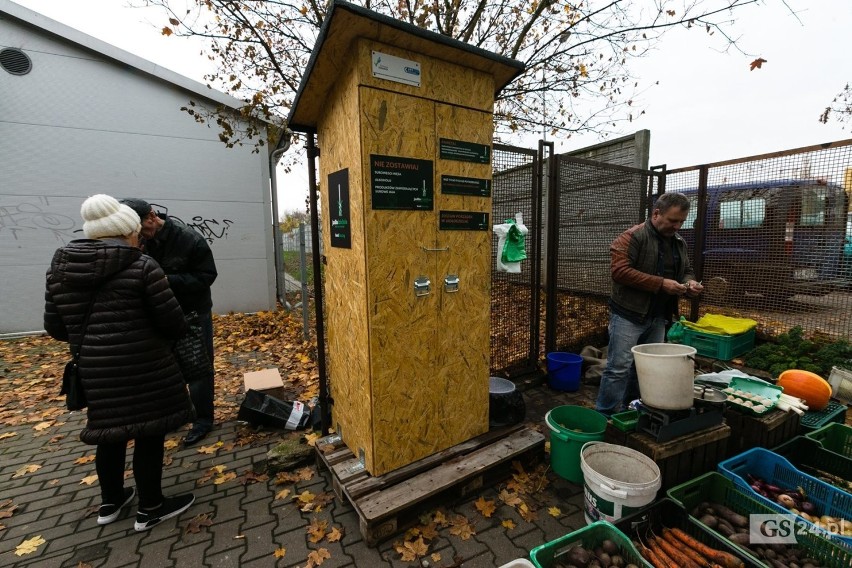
(516, 183)
(593, 204)
(767, 237)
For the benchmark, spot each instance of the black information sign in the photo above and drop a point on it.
(457, 185)
(401, 183)
(338, 208)
(465, 151)
(463, 221)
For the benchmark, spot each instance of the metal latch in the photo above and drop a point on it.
(422, 286)
(451, 283)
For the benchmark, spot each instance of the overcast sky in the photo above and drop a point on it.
(707, 107)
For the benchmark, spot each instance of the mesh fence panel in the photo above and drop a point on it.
(514, 297)
(767, 236)
(597, 202)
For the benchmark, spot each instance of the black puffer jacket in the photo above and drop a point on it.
(129, 375)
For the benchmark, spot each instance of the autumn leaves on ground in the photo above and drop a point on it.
(30, 376)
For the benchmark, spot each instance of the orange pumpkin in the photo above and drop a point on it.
(810, 387)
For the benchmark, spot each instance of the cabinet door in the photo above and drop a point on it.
(464, 315)
(402, 326)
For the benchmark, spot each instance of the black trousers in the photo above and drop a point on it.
(147, 470)
(201, 392)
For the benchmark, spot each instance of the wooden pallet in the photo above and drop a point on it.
(390, 503)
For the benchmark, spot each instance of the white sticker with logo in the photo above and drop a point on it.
(396, 69)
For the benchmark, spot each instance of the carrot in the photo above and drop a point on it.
(713, 555)
(680, 558)
(692, 554)
(649, 555)
(661, 554)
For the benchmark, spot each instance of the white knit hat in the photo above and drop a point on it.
(104, 216)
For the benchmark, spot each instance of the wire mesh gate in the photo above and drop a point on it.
(771, 238)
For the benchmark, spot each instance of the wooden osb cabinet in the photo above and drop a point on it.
(408, 369)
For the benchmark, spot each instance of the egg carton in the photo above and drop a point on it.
(752, 396)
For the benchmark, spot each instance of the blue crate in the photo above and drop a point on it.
(777, 470)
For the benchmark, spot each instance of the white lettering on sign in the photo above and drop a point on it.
(396, 69)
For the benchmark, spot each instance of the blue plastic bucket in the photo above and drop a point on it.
(563, 371)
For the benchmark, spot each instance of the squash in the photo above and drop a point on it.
(810, 387)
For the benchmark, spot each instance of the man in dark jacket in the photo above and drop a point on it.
(650, 270)
(188, 263)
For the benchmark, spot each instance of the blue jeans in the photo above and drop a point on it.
(619, 384)
(201, 392)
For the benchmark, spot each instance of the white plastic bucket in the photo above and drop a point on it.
(617, 481)
(666, 373)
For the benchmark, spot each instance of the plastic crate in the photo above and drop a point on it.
(804, 453)
(667, 513)
(835, 438)
(834, 412)
(590, 536)
(626, 421)
(715, 488)
(777, 470)
(722, 347)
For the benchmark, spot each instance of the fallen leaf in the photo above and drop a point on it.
(7, 509)
(305, 473)
(316, 530)
(305, 497)
(485, 507)
(409, 551)
(210, 449)
(225, 477)
(88, 480)
(29, 468)
(29, 546)
(6, 435)
(317, 557)
(171, 443)
(280, 552)
(462, 528)
(197, 522)
(509, 524)
(435, 556)
(554, 512)
(335, 535)
(42, 426)
(250, 477)
(283, 477)
(283, 494)
(757, 63)
(218, 468)
(312, 437)
(511, 499)
(85, 459)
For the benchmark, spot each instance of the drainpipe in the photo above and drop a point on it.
(282, 146)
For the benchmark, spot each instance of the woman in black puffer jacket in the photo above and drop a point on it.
(131, 380)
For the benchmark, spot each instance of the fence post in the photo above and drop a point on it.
(303, 267)
(552, 252)
(700, 237)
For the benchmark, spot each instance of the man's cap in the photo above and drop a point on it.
(141, 206)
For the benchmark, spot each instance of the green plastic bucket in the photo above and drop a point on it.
(570, 428)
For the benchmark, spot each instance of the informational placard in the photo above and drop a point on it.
(396, 69)
(338, 207)
(401, 183)
(458, 185)
(463, 221)
(465, 151)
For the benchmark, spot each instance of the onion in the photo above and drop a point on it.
(808, 507)
(785, 501)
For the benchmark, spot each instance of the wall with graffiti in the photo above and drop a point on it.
(88, 118)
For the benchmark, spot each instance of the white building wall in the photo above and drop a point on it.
(81, 123)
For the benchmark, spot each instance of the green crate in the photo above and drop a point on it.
(714, 487)
(835, 438)
(626, 421)
(590, 536)
(722, 347)
(806, 454)
(814, 420)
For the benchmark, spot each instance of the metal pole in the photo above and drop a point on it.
(552, 252)
(303, 265)
(324, 398)
(700, 233)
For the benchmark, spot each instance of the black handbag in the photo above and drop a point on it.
(191, 352)
(72, 384)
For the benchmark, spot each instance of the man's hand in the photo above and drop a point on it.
(673, 287)
(693, 288)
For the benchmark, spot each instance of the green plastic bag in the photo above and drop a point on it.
(675, 334)
(514, 249)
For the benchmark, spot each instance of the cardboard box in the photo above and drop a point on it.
(267, 381)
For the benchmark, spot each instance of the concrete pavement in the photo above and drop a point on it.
(238, 521)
